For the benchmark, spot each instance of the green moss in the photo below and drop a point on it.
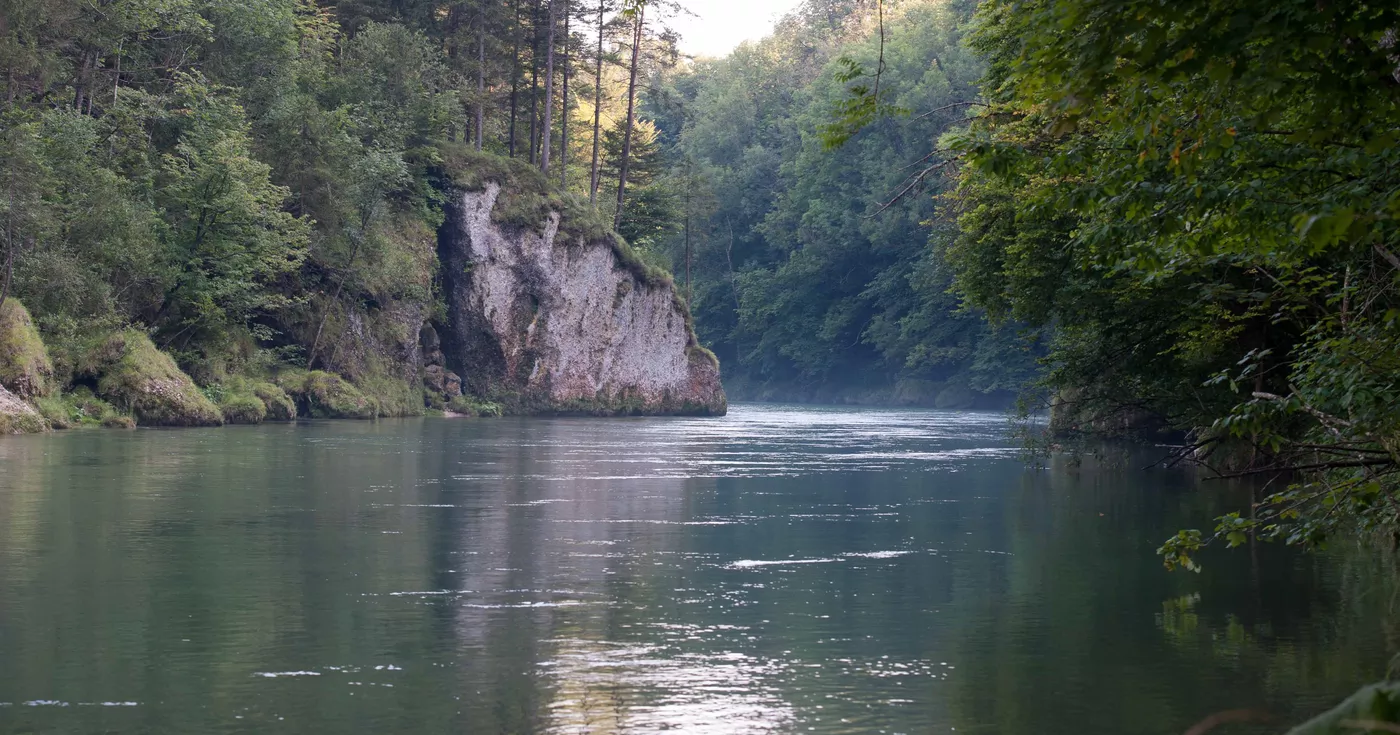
(25, 367)
(248, 401)
(243, 408)
(56, 411)
(118, 421)
(140, 379)
(469, 406)
(325, 395)
(526, 197)
(621, 404)
(77, 408)
(391, 396)
(698, 352)
(633, 263)
(22, 423)
(279, 406)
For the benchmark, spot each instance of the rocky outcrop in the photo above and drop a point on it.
(440, 385)
(549, 322)
(18, 417)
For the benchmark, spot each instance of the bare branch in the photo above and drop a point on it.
(948, 107)
(916, 180)
(1389, 256)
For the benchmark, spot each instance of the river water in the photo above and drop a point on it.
(780, 570)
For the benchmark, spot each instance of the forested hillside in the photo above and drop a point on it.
(811, 265)
(256, 187)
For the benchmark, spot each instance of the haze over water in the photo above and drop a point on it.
(778, 570)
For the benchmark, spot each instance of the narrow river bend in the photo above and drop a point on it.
(782, 569)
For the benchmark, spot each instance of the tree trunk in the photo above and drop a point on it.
(326, 312)
(80, 96)
(9, 238)
(117, 78)
(687, 254)
(514, 77)
(9, 273)
(564, 109)
(631, 113)
(480, 81)
(597, 108)
(548, 126)
(534, 81)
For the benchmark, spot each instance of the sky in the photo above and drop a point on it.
(720, 25)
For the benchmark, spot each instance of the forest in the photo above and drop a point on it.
(1151, 220)
(962, 264)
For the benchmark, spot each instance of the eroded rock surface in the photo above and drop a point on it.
(560, 324)
(18, 417)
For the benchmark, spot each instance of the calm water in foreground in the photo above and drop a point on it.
(778, 570)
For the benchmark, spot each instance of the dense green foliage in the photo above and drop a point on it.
(1201, 197)
(257, 186)
(807, 281)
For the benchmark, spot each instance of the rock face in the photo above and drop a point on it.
(558, 324)
(18, 417)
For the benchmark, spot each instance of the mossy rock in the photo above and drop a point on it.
(25, 367)
(245, 401)
(469, 406)
(79, 408)
(243, 408)
(18, 417)
(325, 395)
(118, 421)
(279, 405)
(137, 377)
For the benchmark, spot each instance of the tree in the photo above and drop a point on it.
(636, 10)
(227, 234)
(1203, 205)
(548, 126)
(593, 180)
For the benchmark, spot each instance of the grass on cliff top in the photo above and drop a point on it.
(527, 198)
(25, 367)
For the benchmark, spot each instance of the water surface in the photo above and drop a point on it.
(778, 570)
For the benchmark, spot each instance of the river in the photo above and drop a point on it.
(782, 569)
